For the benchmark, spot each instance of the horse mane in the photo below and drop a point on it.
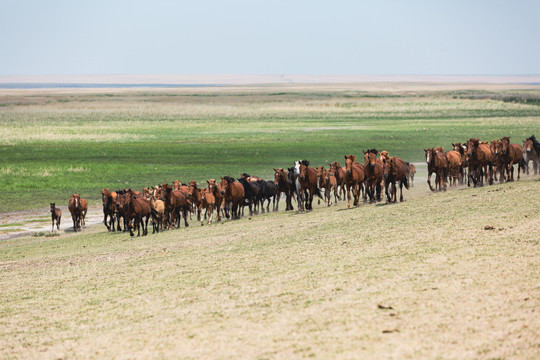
(229, 179)
(535, 142)
(507, 138)
(304, 162)
(244, 175)
(373, 151)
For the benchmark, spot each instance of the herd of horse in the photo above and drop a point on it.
(167, 204)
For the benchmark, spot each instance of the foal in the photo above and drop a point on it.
(56, 215)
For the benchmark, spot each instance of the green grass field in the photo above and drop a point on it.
(54, 144)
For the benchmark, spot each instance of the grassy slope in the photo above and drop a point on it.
(286, 285)
(56, 144)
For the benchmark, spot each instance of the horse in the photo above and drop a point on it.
(194, 194)
(498, 165)
(480, 162)
(176, 201)
(530, 154)
(354, 178)
(77, 207)
(330, 186)
(339, 173)
(251, 195)
(267, 193)
(283, 185)
(462, 150)
(307, 178)
(158, 212)
(511, 154)
(56, 216)
(233, 192)
(454, 171)
(108, 199)
(412, 172)
(208, 203)
(373, 169)
(395, 169)
(437, 163)
(214, 189)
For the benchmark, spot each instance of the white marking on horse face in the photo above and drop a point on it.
(428, 158)
(76, 202)
(297, 167)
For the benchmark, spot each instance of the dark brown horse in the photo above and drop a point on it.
(140, 210)
(108, 199)
(511, 154)
(395, 170)
(373, 169)
(437, 163)
(354, 178)
(56, 216)
(480, 162)
(283, 185)
(530, 154)
(176, 201)
(233, 193)
(307, 178)
(194, 194)
(77, 207)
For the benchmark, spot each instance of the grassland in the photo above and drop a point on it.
(55, 143)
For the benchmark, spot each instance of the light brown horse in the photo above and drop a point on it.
(395, 170)
(373, 169)
(330, 186)
(455, 172)
(56, 216)
(354, 178)
(194, 194)
(412, 172)
(462, 150)
(480, 162)
(215, 189)
(339, 172)
(233, 193)
(158, 212)
(283, 185)
(208, 203)
(530, 154)
(77, 207)
(307, 178)
(511, 154)
(437, 164)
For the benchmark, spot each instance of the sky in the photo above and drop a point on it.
(458, 37)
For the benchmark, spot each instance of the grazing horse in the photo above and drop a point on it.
(530, 153)
(511, 154)
(412, 172)
(455, 170)
(354, 178)
(395, 169)
(176, 201)
(283, 185)
(56, 216)
(208, 202)
(214, 189)
(373, 169)
(480, 162)
(108, 199)
(437, 163)
(307, 178)
(339, 172)
(233, 192)
(77, 207)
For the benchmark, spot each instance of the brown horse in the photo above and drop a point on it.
(498, 166)
(437, 163)
(511, 154)
(395, 169)
(176, 201)
(462, 150)
(455, 170)
(330, 185)
(215, 189)
(140, 211)
(56, 216)
(339, 172)
(283, 185)
(354, 178)
(373, 169)
(480, 162)
(208, 203)
(307, 178)
(233, 193)
(412, 172)
(77, 207)
(530, 154)
(158, 212)
(108, 199)
(194, 194)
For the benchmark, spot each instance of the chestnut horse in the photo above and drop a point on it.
(462, 150)
(511, 154)
(330, 185)
(373, 169)
(56, 215)
(480, 162)
(455, 172)
(233, 192)
(283, 185)
(307, 178)
(176, 201)
(140, 211)
(108, 199)
(354, 178)
(339, 172)
(412, 172)
(395, 169)
(194, 194)
(215, 189)
(77, 207)
(437, 163)
(530, 154)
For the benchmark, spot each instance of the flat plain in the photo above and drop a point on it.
(442, 275)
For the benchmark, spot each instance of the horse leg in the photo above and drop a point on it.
(401, 191)
(429, 181)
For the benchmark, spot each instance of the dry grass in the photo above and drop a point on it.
(289, 285)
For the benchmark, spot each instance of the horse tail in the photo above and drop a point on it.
(406, 182)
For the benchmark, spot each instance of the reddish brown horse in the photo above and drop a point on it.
(194, 194)
(530, 154)
(233, 193)
(140, 211)
(455, 172)
(354, 178)
(108, 199)
(339, 172)
(176, 201)
(77, 207)
(56, 216)
(436, 162)
(462, 150)
(373, 169)
(330, 186)
(208, 203)
(480, 162)
(307, 178)
(511, 154)
(412, 172)
(283, 185)
(395, 170)
(215, 189)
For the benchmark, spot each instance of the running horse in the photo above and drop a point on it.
(395, 170)
(354, 178)
(307, 178)
(373, 169)
(233, 193)
(283, 185)
(339, 172)
(215, 189)
(437, 163)
(530, 146)
(511, 154)
(108, 199)
(480, 162)
(77, 207)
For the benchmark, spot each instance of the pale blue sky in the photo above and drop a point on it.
(269, 37)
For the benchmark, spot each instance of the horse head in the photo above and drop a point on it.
(471, 145)
(505, 145)
(53, 206)
(349, 161)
